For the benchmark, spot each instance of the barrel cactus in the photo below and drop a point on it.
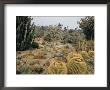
(57, 67)
(85, 55)
(76, 65)
(91, 54)
(71, 55)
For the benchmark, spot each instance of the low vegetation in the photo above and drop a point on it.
(53, 49)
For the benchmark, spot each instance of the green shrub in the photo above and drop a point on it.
(35, 45)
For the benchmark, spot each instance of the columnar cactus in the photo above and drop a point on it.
(57, 67)
(24, 32)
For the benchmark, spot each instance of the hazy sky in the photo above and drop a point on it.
(71, 22)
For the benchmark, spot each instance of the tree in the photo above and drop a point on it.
(24, 32)
(87, 25)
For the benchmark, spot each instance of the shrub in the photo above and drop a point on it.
(36, 68)
(65, 52)
(17, 62)
(40, 54)
(47, 37)
(30, 67)
(28, 55)
(31, 61)
(90, 66)
(24, 69)
(35, 45)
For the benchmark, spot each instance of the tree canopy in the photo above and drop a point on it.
(87, 25)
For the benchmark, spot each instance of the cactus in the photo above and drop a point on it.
(91, 54)
(24, 32)
(85, 55)
(76, 65)
(72, 55)
(57, 67)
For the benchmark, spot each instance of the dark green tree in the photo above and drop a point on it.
(87, 25)
(24, 32)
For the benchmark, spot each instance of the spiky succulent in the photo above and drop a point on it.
(57, 67)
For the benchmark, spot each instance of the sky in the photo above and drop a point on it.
(70, 21)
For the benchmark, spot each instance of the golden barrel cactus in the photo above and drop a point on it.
(91, 54)
(74, 55)
(76, 65)
(84, 55)
(57, 67)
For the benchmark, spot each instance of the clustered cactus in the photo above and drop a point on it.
(75, 65)
(57, 67)
(24, 32)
